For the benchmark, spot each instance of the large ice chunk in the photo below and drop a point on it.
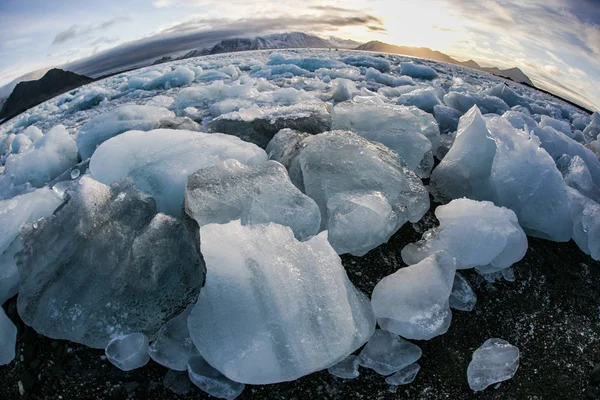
(128, 352)
(410, 132)
(417, 71)
(264, 193)
(307, 63)
(291, 305)
(577, 175)
(586, 223)
(498, 163)
(463, 102)
(173, 346)
(379, 63)
(160, 161)
(561, 126)
(211, 381)
(413, 302)
(259, 125)
(495, 361)
(8, 338)
(349, 178)
(447, 118)
(424, 98)
(386, 353)
(475, 233)
(106, 265)
(122, 119)
(51, 155)
(593, 128)
(180, 76)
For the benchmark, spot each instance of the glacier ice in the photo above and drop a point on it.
(410, 132)
(385, 79)
(8, 338)
(173, 346)
(122, 119)
(378, 63)
(180, 76)
(463, 297)
(259, 125)
(405, 376)
(9, 273)
(346, 369)
(447, 118)
(475, 233)
(160, 161)
(340, 162)
(463, 102)
(586, 223)
(495, 361)
(424, 98)
(413, 301)
(258, 194)
(577, 175)
(128, 352)
(211, 381)
(509, 96)
(561, 126)
(308, 63)
(50, 156)
(593, 128)
(105, 265)
(491, 160)
(386, 353)
(417, 71)
(293, 312)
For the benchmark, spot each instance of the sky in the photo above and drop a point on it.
(556, 43)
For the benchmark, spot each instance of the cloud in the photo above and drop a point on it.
(552, 70)
(75, 31)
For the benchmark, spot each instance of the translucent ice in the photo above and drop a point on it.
(126, 118)
(106, 265)
(173, 346)
(463, 297)
(413, 302)
(593, 129)
(475, 233)
(177, 382)
(425, 99)
(339, 162)
(259, 125)
(410, 132)
(577, 175)
(211, 381)
(586, 223)
(418, 71)
(128, 352)
(405, 376)
(50, 156)
(561, 126)
(180, 76)
(160, 161)
(463, 102)
(8, 338)
(386, 353)
(495, 361)
(264, 193)
(493, 161)
(346, 369)
(377, 63)
(447, 118)
(293, 312)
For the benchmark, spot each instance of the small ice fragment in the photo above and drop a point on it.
(128, 352)
(495, 361)
(404, 376)
(463, 297)
(75, 173)
(386, 353)
(212, 381)
(346, 369)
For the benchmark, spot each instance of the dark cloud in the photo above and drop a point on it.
(202, 33)
(75, 31)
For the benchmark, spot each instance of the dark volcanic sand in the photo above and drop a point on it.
(551, 312)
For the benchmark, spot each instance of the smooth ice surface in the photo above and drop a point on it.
(49, 157)
(413, 301)
(259, 125)
(8, 338)
(463, 102)
(293, 312)
(173, 346)
(128, 352)
(106, 265)
(425, 99)
(447, 118)
(463, 297)
(405, 376)
(122, 119)
(259, 194)
(211, 381)
(410, 132)
(160, 161)
(418, 71)
(577, 175)
(586, 223)
(346, 369)
(491, 160)
(475, 233)
(386, 353)
(495, 361)
(361, 174)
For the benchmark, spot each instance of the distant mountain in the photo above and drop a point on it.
(514, 74)
(27, 94)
